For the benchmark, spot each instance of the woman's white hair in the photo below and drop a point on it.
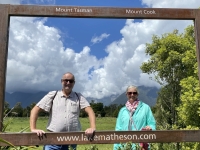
(132, 87)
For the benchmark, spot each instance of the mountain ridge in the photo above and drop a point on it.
(146, 94)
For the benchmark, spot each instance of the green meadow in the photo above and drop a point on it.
(17, 124)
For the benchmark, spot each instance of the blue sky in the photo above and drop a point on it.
(104, 54)
(119, 3)
(87, 29)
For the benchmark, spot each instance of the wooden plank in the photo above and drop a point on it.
(102, 137)
(4, 22)
(102, 12)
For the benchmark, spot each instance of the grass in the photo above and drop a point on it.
(106, 123)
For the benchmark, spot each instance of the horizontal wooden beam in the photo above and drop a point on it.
(101, 137)
(102, 12)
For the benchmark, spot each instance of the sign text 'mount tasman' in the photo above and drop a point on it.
(74, 10)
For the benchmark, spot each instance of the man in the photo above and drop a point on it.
(64, 108)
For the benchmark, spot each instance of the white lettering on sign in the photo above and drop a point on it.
(82, 10)
(71, 10)
(129, 11)
(64, 10)
(148, 12)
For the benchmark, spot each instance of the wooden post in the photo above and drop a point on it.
(197, 37)
(4, 26)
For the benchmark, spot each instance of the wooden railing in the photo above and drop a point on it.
(101, 137)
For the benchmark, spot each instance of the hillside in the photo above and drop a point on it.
(147, 95)
(24, 98)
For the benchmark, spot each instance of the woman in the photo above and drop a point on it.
(135, 115)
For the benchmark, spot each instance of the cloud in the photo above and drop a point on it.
(171, 3)
(15, 2)
(97, 39)
(37, 57)
(40, 58)
(10, 2)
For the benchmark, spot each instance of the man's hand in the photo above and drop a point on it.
(39, 132)
(90, 133)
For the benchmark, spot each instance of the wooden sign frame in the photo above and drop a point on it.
(6, 11)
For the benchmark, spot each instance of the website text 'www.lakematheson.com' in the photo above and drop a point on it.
(108, 137)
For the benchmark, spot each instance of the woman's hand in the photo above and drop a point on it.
(147, 128)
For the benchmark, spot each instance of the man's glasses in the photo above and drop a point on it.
(67, 80)
(130, 93)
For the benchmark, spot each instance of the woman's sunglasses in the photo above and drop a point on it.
(130, 93)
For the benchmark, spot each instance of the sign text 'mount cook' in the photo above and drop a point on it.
(133, 11)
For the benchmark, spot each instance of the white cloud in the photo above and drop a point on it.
(40, 58)
(15, 2)
(37, 58)
(97, 39)
(10, 2)
(172, 3)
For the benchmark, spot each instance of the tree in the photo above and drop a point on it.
(109, 110)
(166, 62)
(98, 108)
(189, 110)
(83, 114)
(6, 108)
(116, 111)
(162, 109)
(18, 110)
(26, 111)
(173, 61)
(189, 114)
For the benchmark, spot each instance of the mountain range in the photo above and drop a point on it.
(146, 94)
